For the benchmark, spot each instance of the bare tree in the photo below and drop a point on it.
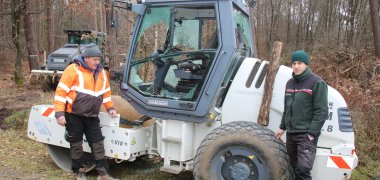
(110, 34)
(17, 9)
(50, 25)
(30, 35)
(373, 4)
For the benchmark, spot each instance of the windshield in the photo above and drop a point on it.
(85, 39)
(174, 47)
(242, 29)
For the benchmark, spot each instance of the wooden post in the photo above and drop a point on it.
(268, 86)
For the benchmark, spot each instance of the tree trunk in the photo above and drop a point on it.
(2, 30)
(101, 14)
(288, 22)
(271, 27)
(30, 36)
(339, 23)
(112, 63)
(268, 87)
(17, 6)
(50, 26)
(352, 6)
(373, 5)
(95, 10)
(299, 26)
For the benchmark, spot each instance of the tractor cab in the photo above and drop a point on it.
(180, 53)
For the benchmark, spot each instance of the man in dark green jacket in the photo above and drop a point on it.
(305, 112)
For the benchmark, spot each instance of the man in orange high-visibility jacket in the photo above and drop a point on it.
(83, 88)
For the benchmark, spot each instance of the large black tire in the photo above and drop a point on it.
(242, 150)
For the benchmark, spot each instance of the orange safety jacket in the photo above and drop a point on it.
(82, 92)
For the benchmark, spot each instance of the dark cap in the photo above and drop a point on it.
(91, 50)
(300, 55)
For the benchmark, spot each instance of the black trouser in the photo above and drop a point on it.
(302, 153)
(76, 126)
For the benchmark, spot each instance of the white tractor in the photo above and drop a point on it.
(191, 93)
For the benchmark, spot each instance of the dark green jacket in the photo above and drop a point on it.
(306, 105)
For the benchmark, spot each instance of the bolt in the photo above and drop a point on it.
(235, 161)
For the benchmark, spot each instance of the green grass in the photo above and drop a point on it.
(17, 120)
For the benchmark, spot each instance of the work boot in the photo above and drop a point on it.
(106, 177)
(87, 168)
(80, 176)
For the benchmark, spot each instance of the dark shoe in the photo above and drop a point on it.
(87, 168)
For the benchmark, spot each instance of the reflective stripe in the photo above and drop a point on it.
(90, 92)
(86, 91)
(104, 80)
(64, 87)
(103, 91)
(60, 99)
(80, 75)
(69, 100)
(106, 100)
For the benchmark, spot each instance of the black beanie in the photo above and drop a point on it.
(91, 50)
(300, 55)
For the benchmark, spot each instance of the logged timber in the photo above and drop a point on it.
(268, 87)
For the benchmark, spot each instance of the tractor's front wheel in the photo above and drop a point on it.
(242, 150)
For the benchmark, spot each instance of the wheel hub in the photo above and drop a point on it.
(239, 163)
(238, 167)
(240, 171)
